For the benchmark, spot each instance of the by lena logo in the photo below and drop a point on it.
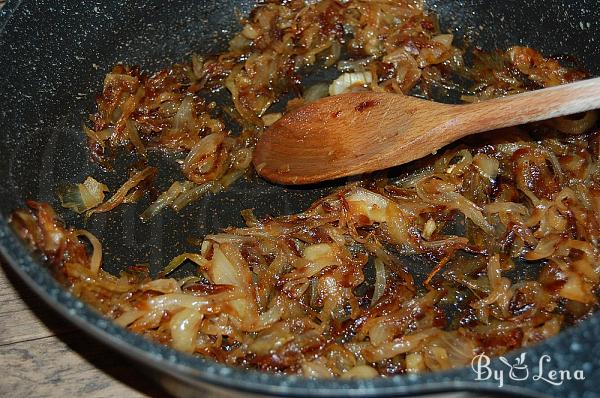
(519, 370)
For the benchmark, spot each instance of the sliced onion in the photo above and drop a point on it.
(96, 259)
(129, 317)
(184, 326)
(568, 125)
(360, 372)
(82, 197)
(207, 160)
(380, 281)
(347, 81)
(316, 92)
(119, 196)
(163, 285)
(180, 259)
(194, 192)
(165, 199)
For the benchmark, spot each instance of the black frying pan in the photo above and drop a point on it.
(53, 57)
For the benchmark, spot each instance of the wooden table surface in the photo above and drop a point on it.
(43, 355)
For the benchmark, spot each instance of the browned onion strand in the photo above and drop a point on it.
(292, 294)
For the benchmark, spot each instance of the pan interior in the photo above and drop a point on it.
(50, 81)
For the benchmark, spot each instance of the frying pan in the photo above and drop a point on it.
(53, 57)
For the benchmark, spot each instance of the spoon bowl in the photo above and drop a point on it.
(362, 132)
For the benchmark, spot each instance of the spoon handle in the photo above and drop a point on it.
(533, 106)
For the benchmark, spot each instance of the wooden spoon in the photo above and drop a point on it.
(362, 132)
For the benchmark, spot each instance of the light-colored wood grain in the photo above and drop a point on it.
(48, 367)
(362, 132)
(18, 321)
(43, 355)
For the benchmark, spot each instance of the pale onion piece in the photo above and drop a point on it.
(228, 267)
(249, 32)
(184, 326)
(397, 225)
(134, 137)
(585, 268)
(94, 188)
(568, 125)
(347, 81)
(270, 118)
(189, 280)
(203, 151)
(120, 78)
(380, 281)
(354, 65)
(370, 204)
(241, 159)
(322, 254)
(584, 196)
(576, 288)
(127, 318)
(550, 328)
(458, 347)
(487, 166)
(98, 136)
(185, 113)
(444, 39)
(228, 179)
(589, 263)
(197, 65)
(554, 161)
(122, 192)
(105, 281)
(165, 199)
(414, 362)
(334, 53)
(225, 238)
(222, 270)
(82, 197)
(544, 249)
(208, 160)
(381, 332)
(400, 345)
(270, 316)
(180, 259)
(188, 195)
(315, 92)
(506, 207)
(96, 259)
(150, 320)
(360, 372)
(500, 286)
(428, 229)
(205, 304)
(437, 359)
(238, 43)
(316, 370)
(164, 285)
(465, 160)
(269, 341)
(470, 210)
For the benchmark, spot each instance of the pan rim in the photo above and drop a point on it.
(194, 369)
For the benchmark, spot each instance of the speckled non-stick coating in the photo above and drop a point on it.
(53, 56)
